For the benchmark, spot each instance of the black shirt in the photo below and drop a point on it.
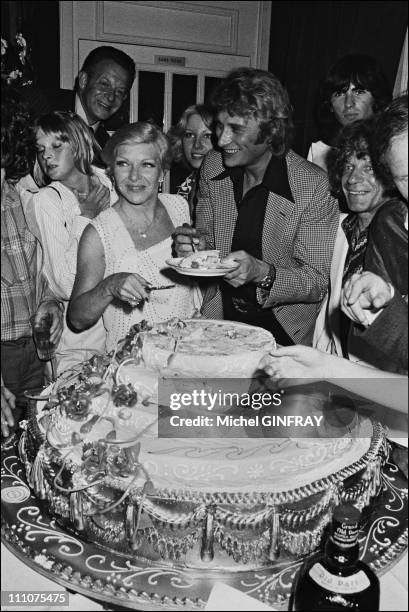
(240, 304)
(354, 263)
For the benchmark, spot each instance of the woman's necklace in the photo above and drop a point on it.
(143, 232)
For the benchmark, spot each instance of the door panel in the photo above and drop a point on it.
(184, 94)
(151, 96)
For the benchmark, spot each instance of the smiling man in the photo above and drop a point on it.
(356, 182)
(102, 86)
(377, 299)
(267, 209)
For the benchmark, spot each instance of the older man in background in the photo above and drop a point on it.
(101, 88)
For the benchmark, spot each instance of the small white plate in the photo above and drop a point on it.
(175, 264)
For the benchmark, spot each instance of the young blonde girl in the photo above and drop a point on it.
(74, 192)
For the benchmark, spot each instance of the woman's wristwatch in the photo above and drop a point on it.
(267, 282)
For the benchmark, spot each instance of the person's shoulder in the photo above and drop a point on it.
(55, 193)
(27, 183)
(390, 220)
(212, 165)
(48, 193)
(106, 220)
(107, 214)
(296, 163)
(393, 210)
(305, 177)
(173, 201)
(317, 154)
(172, 198)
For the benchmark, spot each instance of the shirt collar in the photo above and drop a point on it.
(351, 227)
(79, 109)
(275, 178)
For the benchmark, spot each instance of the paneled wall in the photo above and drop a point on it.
(226, 28)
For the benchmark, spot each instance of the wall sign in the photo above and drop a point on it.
(170, 60)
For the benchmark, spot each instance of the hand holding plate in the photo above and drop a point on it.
(248, 269)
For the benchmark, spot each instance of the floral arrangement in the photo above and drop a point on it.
(16, 67)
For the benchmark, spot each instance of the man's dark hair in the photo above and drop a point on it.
(392, 122)
(110, 53)
(362, 71)
(354, 139)
(248, 92)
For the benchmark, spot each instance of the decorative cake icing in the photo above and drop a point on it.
(92, 451)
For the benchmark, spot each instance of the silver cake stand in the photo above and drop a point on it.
(31, 534)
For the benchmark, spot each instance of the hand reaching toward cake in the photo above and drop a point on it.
(294, 362)
(292, 365)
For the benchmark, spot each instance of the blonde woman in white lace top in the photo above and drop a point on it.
(124, 251)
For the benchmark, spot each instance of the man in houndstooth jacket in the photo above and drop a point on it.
(267, 209)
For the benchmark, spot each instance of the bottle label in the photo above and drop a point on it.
(345, 534)
(345, 585)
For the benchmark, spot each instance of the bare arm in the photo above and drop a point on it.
(92, 292)
(287, 365)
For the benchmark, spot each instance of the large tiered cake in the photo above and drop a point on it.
(92, 451)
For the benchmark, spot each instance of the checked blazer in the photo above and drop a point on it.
(298, 238)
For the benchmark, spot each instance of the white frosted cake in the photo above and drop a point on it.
(205, 347)
(93, 452)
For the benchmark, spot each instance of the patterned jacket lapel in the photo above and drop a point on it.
(278, 212)
(225, 215)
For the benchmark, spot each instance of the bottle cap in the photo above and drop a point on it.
(345, 525)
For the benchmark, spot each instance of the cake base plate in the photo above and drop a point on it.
(35, 538)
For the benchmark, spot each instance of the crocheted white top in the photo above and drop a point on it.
(122, 256)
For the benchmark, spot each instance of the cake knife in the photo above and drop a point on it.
(159, 287)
